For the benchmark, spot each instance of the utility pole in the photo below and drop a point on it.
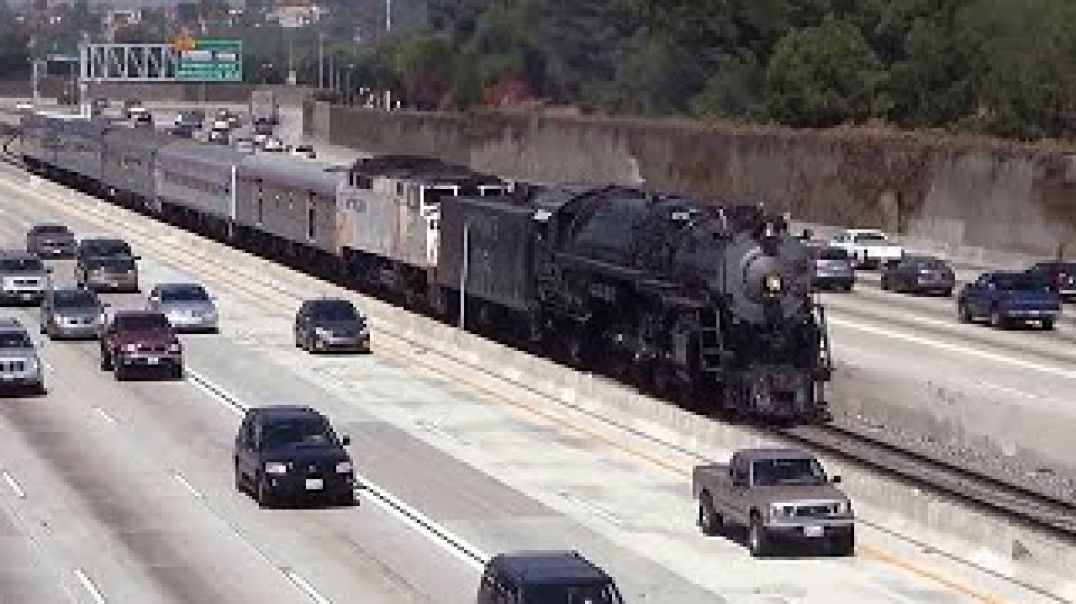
(321, 59)
(464, 270)
(388, 29)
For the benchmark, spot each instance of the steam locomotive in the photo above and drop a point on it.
(707, 305)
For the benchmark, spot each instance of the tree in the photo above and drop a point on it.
(1022, 56)
(426, 66)
(824, 76)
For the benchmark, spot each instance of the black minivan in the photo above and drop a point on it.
(557, 577)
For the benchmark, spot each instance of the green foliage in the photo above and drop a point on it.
(824, 76)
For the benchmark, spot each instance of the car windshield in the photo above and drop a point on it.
(108, 248)
(336, 311)
(572, 594)
(1019, 282)
(117, 263)
(75, 298)
(832, 253)
(51, 229)
(869, 237)
(800, 470)
(146, 322)
(299, 431)
(21, 264)
(15, 339)
(183, 293)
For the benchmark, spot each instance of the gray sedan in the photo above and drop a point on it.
(187, 305)
(71, 313)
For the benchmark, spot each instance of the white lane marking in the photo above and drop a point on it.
(187, 485)
(90, 588)
(304, 585)
(14, 484)
(448, 541)
(105, 416)
(955, 348)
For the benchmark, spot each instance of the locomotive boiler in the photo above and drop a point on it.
(710, 305)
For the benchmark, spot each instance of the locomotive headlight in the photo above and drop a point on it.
(772, 283)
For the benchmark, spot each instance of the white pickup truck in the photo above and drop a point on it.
(867, 248)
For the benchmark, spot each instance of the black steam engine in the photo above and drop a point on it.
(708, 305)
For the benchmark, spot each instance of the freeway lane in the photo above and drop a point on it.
(500, 477)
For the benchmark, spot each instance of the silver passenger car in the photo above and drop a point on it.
(187, 305)
(23, 277)
(71, 313)
(20, 367)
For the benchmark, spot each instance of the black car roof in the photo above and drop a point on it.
(285, 412)
(547, 567)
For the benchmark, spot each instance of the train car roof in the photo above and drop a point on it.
(285, 169)
(197, 152)
(418, 168)
(138, 137)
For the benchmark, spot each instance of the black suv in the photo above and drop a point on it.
(331, 324)
(289, 453)
(545, 578)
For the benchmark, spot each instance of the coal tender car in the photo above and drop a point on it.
(710, 305)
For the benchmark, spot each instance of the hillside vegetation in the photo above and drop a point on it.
(1005, 67)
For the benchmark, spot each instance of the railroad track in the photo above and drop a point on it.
(1042, 511)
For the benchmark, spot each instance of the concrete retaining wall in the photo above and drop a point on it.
(966, 192)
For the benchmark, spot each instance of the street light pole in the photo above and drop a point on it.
(388, 28)
(321, 60)
(464, 273)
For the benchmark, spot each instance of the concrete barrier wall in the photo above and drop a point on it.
(956, 192)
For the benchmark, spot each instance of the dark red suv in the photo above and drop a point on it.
(141, 340)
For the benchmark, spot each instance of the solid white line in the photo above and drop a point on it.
(304, 585)
(90, 588)
(454, 545)
(954, 348)
(104, 415)
(425, 526)
(187, 485)
(15, 486)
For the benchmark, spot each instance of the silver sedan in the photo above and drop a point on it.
(187, 305)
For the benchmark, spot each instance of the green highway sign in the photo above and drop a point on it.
(209, 60)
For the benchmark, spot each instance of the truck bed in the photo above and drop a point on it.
(706, 477)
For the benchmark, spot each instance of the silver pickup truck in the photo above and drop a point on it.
(778, 495)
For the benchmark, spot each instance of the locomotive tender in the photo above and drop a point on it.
(708, 305)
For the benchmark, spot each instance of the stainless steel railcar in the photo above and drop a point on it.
(289, 207)
(196, 186)
(128, 161)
